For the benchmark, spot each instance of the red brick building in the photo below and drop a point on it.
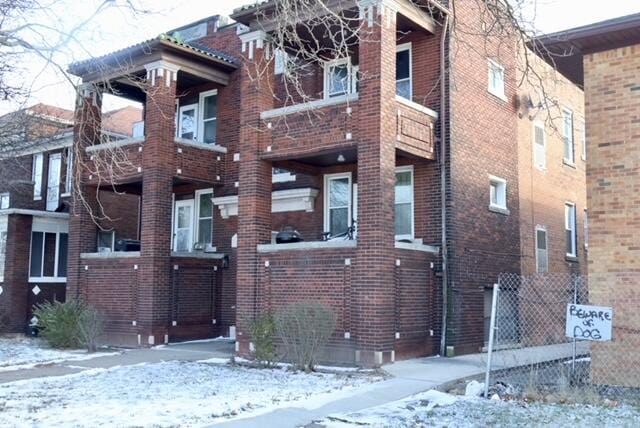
(406, 150)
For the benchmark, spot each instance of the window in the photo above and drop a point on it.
(138, 130)
(279, 61)
(36, 175)
(49, 245)
(404, 203)
(539, 146)
(204, 214)
(188, 122)
(3, 245)
(583, 128)
(183, 226)
(68, 185)
(570, 228)
(4, 201)
(208, 117)
(496, 80)
(53, 181)
(106, 241)
(338, 203)
(567, 135)
(586, 229)
(498, 193)
(542, 253)
(340, 78)
(404, 84)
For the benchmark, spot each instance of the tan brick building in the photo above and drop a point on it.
(605, 57)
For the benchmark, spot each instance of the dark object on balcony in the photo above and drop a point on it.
(288, 236)
(127, 245)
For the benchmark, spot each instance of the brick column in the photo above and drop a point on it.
(373, 281)
(158, 169)
(82, 229)
(254, 215)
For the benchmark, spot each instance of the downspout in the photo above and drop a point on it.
(443, 187)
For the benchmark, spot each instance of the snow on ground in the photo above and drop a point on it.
(184, 394)
(437, 409)
(26, 353)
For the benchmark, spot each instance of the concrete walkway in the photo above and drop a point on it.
(409, 377)
(188, 351)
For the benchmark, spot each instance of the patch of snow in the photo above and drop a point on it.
(215, 339)
(184, 394)
(474, 389)
(27, 353)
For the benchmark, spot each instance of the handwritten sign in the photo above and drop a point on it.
(589, 322)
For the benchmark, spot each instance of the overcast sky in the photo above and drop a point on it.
(116, 28)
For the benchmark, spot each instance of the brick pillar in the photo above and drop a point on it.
(158, 169)
(82, 229)
(373, 281)
(14, 297)
(254, 215)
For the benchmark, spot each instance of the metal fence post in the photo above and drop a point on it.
(574, 350)
(494, 307)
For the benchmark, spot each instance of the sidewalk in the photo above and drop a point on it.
(409, 377)
(188, 351)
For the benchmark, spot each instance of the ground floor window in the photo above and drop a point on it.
(404, 202)
(3, 245)
(338, 204)
(570, 228)
(49, 246)
(193, 223)
(542, 254)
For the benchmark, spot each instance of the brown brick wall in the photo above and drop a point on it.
(14, 298)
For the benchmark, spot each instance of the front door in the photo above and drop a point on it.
(183, 226)
(53, 182)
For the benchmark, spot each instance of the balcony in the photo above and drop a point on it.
(415, 129)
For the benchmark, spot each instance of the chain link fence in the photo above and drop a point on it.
(530, 354)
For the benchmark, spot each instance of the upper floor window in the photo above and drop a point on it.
(496, 80)
(404, 203)
(542, 252)
(340, 78)
(539, 146)
(567, 135)
(586, 228)
(583, 129)
(4, 201)
(570, 228)
(3, 244)
(68, 185)
(404, 84)
(199, 121)
(208, 116)
(497, 193)
(36, 175)
(188, 122)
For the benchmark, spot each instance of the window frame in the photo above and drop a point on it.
(54, 227)
(401, 48)
(196, 232)
(174, 229)
(568, 113)
(540, 228)
(570, 208)
(53, 157)
(585, 225)
(401, 169)
(542, 166)
(502, 184)
(327, 208)
(37, 171)
(201, 121)
(497, 92)
(583, 128)
(5, 196)
(68, 180)
(352, 72)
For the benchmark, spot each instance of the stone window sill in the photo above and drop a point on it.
(499, 210)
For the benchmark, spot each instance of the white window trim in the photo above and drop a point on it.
(283, 177)
(68, 183)
(200, 113)
(498, 92)
(196, 117)
(176, 204)
(574, 237)
(280, 59)
(585, 225)
(48, 226)
(401, 48)
(571, 162)
(53, 157)
(408, 168)
(327, 179)
(37, 170)
(4, 195)
(494, 179)
(546, 234)
(196, 228)
(536, 125)
(351, 77)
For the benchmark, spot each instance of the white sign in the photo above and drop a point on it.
(589, 322)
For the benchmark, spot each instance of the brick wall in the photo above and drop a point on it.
(612, 108)
(14, 300)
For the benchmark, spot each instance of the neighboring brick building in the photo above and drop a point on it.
(223, 164)
(605, 58)
(36, 183)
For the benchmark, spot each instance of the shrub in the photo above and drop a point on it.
(263, 332)
(305, 327)
(69, 325)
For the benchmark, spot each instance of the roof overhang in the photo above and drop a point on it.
(566, 49)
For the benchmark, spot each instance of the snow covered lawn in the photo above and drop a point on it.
(26, 353)
(437, 409)
(184, 394)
